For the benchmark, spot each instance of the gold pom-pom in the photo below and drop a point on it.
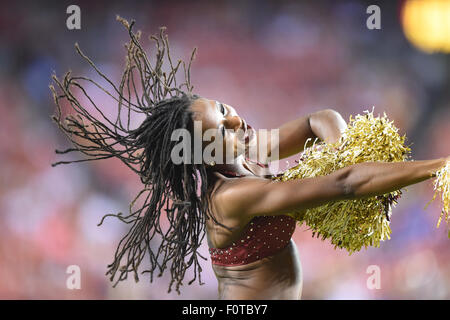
(442, 186)
(352, 224)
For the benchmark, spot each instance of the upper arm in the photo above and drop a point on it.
(255, 196)
(294, 134)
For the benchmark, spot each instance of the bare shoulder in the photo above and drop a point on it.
(226, 208)
(230, 195)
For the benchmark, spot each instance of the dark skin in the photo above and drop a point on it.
(236, 201)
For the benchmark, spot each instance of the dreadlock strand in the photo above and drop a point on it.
(144, 88)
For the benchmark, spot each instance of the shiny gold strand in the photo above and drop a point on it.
(442, 187)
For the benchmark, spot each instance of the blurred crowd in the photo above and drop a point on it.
(272, 61)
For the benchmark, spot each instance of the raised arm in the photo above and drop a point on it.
(327, 125)
(247, 197)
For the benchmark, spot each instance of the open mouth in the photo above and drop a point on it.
(246, 133)
(249, 133)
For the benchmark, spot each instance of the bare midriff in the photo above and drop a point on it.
(274, 277)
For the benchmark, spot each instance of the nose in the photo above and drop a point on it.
(233, 122)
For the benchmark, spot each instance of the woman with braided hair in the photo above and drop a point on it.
(234, 203)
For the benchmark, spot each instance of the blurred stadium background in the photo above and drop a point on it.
(272, 60)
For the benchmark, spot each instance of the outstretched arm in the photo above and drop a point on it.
(247, 197)
(327, 125)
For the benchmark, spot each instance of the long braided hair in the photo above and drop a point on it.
(178, 190)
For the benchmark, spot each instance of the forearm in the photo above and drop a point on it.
(327, 125)
(248, 197)
(376, 178)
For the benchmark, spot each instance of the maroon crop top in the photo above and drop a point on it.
(264, 236)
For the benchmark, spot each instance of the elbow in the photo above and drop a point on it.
(348, 191)
(345, 184)
(328, 113)
(355, 182)
(327, 122)
(335, 117)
